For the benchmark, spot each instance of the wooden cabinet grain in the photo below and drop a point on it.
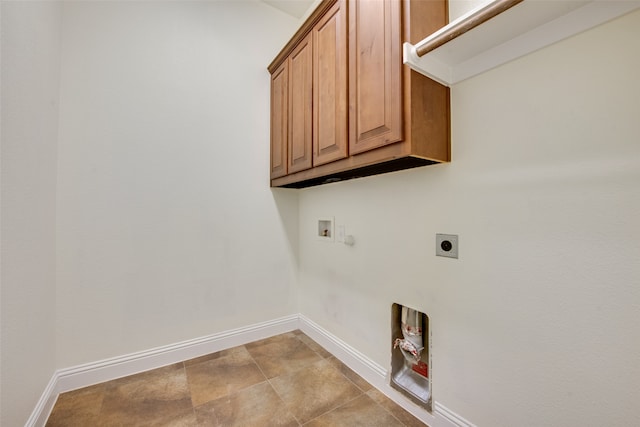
(299, 154)
(371, 114)
(375, 80)
(279, 120)
(330, 140)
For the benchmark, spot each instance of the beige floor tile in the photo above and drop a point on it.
(146, 399)
(256, 406)
(282, 354)
(78, 408)
(347, 372)
(221, 376)
(360, 412)
(405, 417)
(184, 419)
(314, 345)
(314, 390)
(210, 356)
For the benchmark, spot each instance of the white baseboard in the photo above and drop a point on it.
(88, 374)
(451, 416)
(109, 369)
(45, 405)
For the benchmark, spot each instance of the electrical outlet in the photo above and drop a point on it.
(447, 245)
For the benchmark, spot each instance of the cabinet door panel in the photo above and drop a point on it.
(375, 80)
(330, 87)
(300, 106)
(279, 120)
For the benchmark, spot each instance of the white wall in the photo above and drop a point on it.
(167, 229)
(457, 8)
(30, 78)
(537, 322)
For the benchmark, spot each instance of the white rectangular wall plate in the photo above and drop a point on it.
(340, 233)
(447, 245)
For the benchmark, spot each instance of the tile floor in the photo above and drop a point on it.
(286, 380)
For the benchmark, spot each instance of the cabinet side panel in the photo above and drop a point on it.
(430, 118)
(330, 85)
(279, 121)
(423, 18)
(300, 106)
(428, 101)
(375, 66)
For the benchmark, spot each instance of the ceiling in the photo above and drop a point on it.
(295, 8)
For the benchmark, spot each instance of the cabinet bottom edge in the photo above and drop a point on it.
(393, 165)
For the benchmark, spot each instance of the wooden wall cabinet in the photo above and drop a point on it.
(291, 112)
(371, 114)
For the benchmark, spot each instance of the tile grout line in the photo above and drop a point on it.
(283, 402)
(363, 392)
(339, 406)
(193, 407)
(389, 412)
(343, 375)
(273, 388)
(248, 386)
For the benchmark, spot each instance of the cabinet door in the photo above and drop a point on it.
(375, 79)
(300, 106)
(279, 120)
(330, 86)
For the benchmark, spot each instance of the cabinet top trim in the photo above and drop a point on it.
(304, 29)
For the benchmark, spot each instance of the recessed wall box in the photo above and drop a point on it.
(411, 355)
(325, 230)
